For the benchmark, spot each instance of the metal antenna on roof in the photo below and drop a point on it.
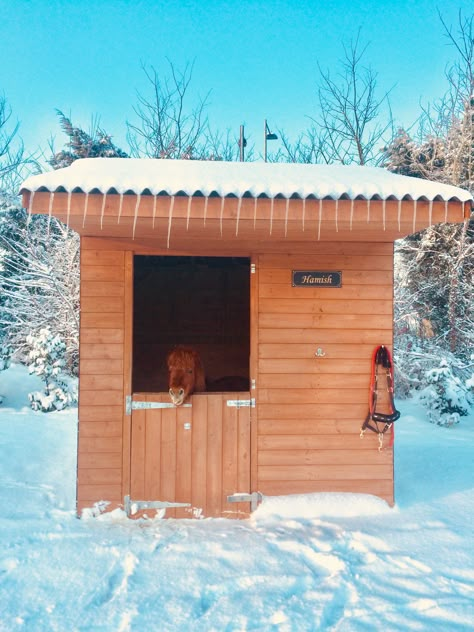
(170, 219)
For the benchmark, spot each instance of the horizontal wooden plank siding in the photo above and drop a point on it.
(101, 384)
(314, 356)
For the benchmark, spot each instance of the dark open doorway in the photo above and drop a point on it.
(203, 302)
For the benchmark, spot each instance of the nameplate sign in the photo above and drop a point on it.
(316, 278)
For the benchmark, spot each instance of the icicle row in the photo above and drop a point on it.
(102, 212)
(239, 206)
(222, 213)
(188, 214)
(286, 214)
(86, 206)
(399, 214)
(170, 219)
(320, 218)
(135, 215)
(120, 208)
(155, 199)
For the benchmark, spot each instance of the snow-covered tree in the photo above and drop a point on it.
(46, 360)
(445, 397)
(95, 144)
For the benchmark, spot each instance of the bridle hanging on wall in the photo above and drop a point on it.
(381, 358)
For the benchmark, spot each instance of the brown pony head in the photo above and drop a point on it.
(185, 374)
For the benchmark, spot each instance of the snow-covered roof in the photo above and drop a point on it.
(239, 179)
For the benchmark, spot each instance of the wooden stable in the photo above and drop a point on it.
(205, 254)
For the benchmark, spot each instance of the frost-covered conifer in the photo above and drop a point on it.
(46, 360)
(445, 397)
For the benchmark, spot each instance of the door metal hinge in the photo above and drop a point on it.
(253, 268)
(131, 507)
(241, 403)
(254, 499)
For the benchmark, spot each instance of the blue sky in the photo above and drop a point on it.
(259, 59)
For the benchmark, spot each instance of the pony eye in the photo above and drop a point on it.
(190, 371)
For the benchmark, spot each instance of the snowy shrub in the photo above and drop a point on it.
(5, 355)
(445, 397)
(46, 360)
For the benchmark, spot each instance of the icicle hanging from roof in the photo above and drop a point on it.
(430, 212)
(239, 206)
(86, 204)
(368, 210)
(68, 212)
(303, 213)
(320, 218)
(399, 214)
(414, 215)
(170, 219)
(206, 201)
(255, 212)
(119, 216)
(336, 210)
(446, 210)
(188, 211)
(50, 208)
(384, 212)
(155, 199)
(103, 210)
(221, 214)
(271, 215)
(286, 215)
(352, 214)
(135, 215)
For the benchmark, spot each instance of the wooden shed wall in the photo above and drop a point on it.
(310, 408)
(104, 359)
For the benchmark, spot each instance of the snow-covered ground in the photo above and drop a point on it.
(316, 562)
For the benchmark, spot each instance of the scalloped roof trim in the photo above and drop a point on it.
(149, 176)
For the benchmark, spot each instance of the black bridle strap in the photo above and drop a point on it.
(381, 357)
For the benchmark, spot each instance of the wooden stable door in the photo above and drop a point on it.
(194, 455)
